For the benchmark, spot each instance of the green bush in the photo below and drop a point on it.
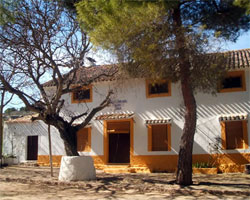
(203, 165)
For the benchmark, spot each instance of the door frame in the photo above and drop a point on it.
(29, 146)
(106, 139)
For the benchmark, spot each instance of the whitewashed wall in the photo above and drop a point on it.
(132, 97)
(16, 134)
(132, 94)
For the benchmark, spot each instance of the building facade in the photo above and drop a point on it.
(141, 129)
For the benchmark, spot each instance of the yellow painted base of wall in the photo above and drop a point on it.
(43, 160)
(225, 163)
(205, 170)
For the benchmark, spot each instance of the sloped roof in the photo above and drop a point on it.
(237, 59)
(22, 119)
(97, 73)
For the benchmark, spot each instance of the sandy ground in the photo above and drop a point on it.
(35, 183)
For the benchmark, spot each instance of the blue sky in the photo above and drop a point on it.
(243, 42)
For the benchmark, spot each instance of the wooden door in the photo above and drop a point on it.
(32, 148)
(119, 148)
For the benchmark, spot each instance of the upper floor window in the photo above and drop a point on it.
(234, 135)
(84, 94)
(158, 88)
(233, 82)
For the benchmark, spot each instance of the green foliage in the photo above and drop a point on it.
(23, 109)
(9, 156)
(69, 4)
(10, 110)
(142, 35)
(243, 4)
(6, 14)
(203, 165)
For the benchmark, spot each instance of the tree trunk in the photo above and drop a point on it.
(1, 127)
(70, 141)
(68, 134)
(184, 171)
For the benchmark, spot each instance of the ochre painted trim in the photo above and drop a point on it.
(131, 137)
(245, 134)
(43, 160)
(89, 138)
(223, 136)
(205, 170)
(150, 135)
(85, 100)
(148, 95)
(235, 74)
(106, 140)
(169, 137)
(226, 163)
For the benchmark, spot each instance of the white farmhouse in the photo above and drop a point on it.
(141, 130)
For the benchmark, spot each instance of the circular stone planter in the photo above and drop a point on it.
(77, 168)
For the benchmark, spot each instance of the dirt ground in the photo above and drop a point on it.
(19, 182)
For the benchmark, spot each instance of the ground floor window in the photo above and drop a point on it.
(234, 135)
(84, 139)
(159, 137)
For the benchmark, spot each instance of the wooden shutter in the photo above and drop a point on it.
(159, 137)
(234, 135)
(83, 140)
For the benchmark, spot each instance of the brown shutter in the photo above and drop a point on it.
(234, 135)
(83, 140)
(159, 138)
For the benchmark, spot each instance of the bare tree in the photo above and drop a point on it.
(5, 99)
(45, 42)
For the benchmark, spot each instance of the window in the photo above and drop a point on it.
(84, 140)
(82, 95)
(233, 82)
(234, 135)
(159, 137)
(158, 89)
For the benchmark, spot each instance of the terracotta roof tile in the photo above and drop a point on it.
(23, 119)
(233, 117)
(96, 73)
(238, 59)
(115, 116)
(235, 60)
(158, 121)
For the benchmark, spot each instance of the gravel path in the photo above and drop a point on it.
(35, 183)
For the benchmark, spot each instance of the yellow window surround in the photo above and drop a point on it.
(106, 133)
(149, 85)
(74, 100)
(233, 74)
(150, 136)
(223, 135)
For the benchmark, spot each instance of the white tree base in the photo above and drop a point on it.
(77, 168)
